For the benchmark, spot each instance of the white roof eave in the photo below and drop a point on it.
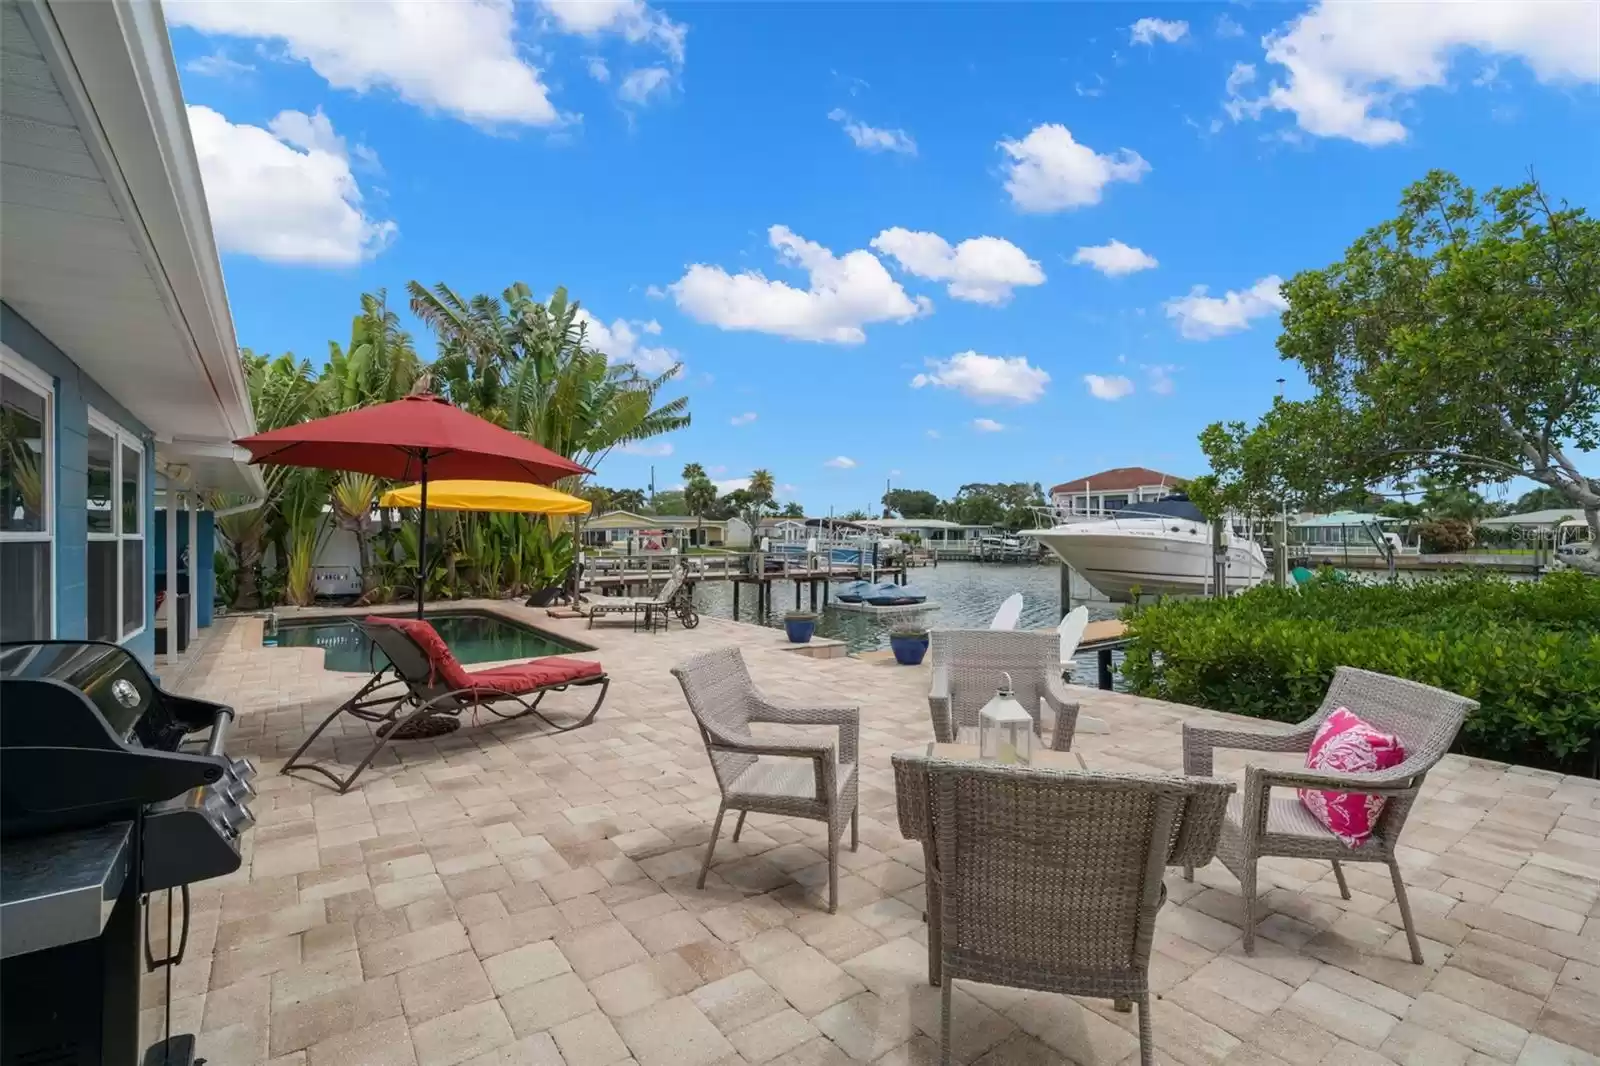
(114, 64)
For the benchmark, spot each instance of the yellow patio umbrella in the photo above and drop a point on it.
(488, 496)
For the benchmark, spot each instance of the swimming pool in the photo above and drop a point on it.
(473, 636)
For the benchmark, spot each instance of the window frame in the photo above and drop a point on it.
(41, 384)
(124, 438)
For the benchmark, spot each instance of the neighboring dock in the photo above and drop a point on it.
(756, 571)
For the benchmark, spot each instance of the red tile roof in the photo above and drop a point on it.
(1120, 479)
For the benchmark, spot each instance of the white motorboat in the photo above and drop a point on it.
(1161, 548)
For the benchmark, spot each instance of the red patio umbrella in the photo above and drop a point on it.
(412, 440)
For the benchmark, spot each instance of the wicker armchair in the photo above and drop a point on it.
(1259, 825)
(771, 777)
(1051, 881)
(967, 664)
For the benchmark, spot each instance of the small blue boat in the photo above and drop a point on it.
(854, 591)
(888, 594)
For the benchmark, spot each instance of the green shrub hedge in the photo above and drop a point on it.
(1528, 651)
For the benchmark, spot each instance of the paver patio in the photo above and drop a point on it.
(499, 897)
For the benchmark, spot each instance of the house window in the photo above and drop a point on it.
(115, 506)
(1115, 503)
(27, 501)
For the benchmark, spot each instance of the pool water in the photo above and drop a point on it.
(473, 636)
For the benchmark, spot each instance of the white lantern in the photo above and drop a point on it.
(1005, 730)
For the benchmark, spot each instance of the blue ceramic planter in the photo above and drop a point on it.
(800, 630)
(908, 651)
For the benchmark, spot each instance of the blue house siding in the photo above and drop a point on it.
(75, 393)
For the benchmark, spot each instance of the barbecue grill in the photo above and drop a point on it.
(110, 789)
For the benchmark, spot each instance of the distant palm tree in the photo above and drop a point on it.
(761, 491)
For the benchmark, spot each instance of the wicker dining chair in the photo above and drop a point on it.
(967, 664)
(1426, 721)
(771, 776)
(1051, 881)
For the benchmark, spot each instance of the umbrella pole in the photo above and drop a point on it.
(422, 541)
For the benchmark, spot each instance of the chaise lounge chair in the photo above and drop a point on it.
(671, 599)
(436, 685)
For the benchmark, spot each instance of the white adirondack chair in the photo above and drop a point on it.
(1009, 613)
(1070, 632)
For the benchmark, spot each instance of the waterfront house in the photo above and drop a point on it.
(1103, 494)
(946, 539)
(631, 532)
(120, 384)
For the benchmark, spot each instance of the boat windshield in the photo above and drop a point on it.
(1176, 505)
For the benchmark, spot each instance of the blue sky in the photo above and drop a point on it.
(778, 196)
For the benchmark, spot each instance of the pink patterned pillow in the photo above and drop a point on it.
(1347, 744)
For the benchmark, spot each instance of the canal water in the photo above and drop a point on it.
(968, 594)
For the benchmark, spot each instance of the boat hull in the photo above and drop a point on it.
(1157, 564)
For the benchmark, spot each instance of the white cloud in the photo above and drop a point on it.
(933, 434)
(743, 420)
(461, 58)
(1351, 66)
(841, 462)
(1114, 387)
(982, 269)
(732, 484)
(1237, 107)
(1050, 171)
(1201, 317)
(986, 378)
(654, 449)
(1160, 378)
(218, 65)
(597, 68)
(631, 19)
(1148, 31)
(1226, 28)
(987, 425)
(871, 138)
(640, 85)
(844, 294)
(1114, 259)
(285, 193)
(894, 473)
(620, 343)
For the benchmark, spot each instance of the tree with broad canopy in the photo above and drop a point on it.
(1459, 340)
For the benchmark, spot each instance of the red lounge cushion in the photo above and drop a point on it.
(442, 664)
(539, 673)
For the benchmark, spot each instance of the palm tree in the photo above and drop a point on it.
(354, 496)
(699, 495)
(473, 348)
(760, 491)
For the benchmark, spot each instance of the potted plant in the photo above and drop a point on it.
(909, 643)
(800, 625)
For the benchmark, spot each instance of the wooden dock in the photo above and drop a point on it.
(754, 571)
